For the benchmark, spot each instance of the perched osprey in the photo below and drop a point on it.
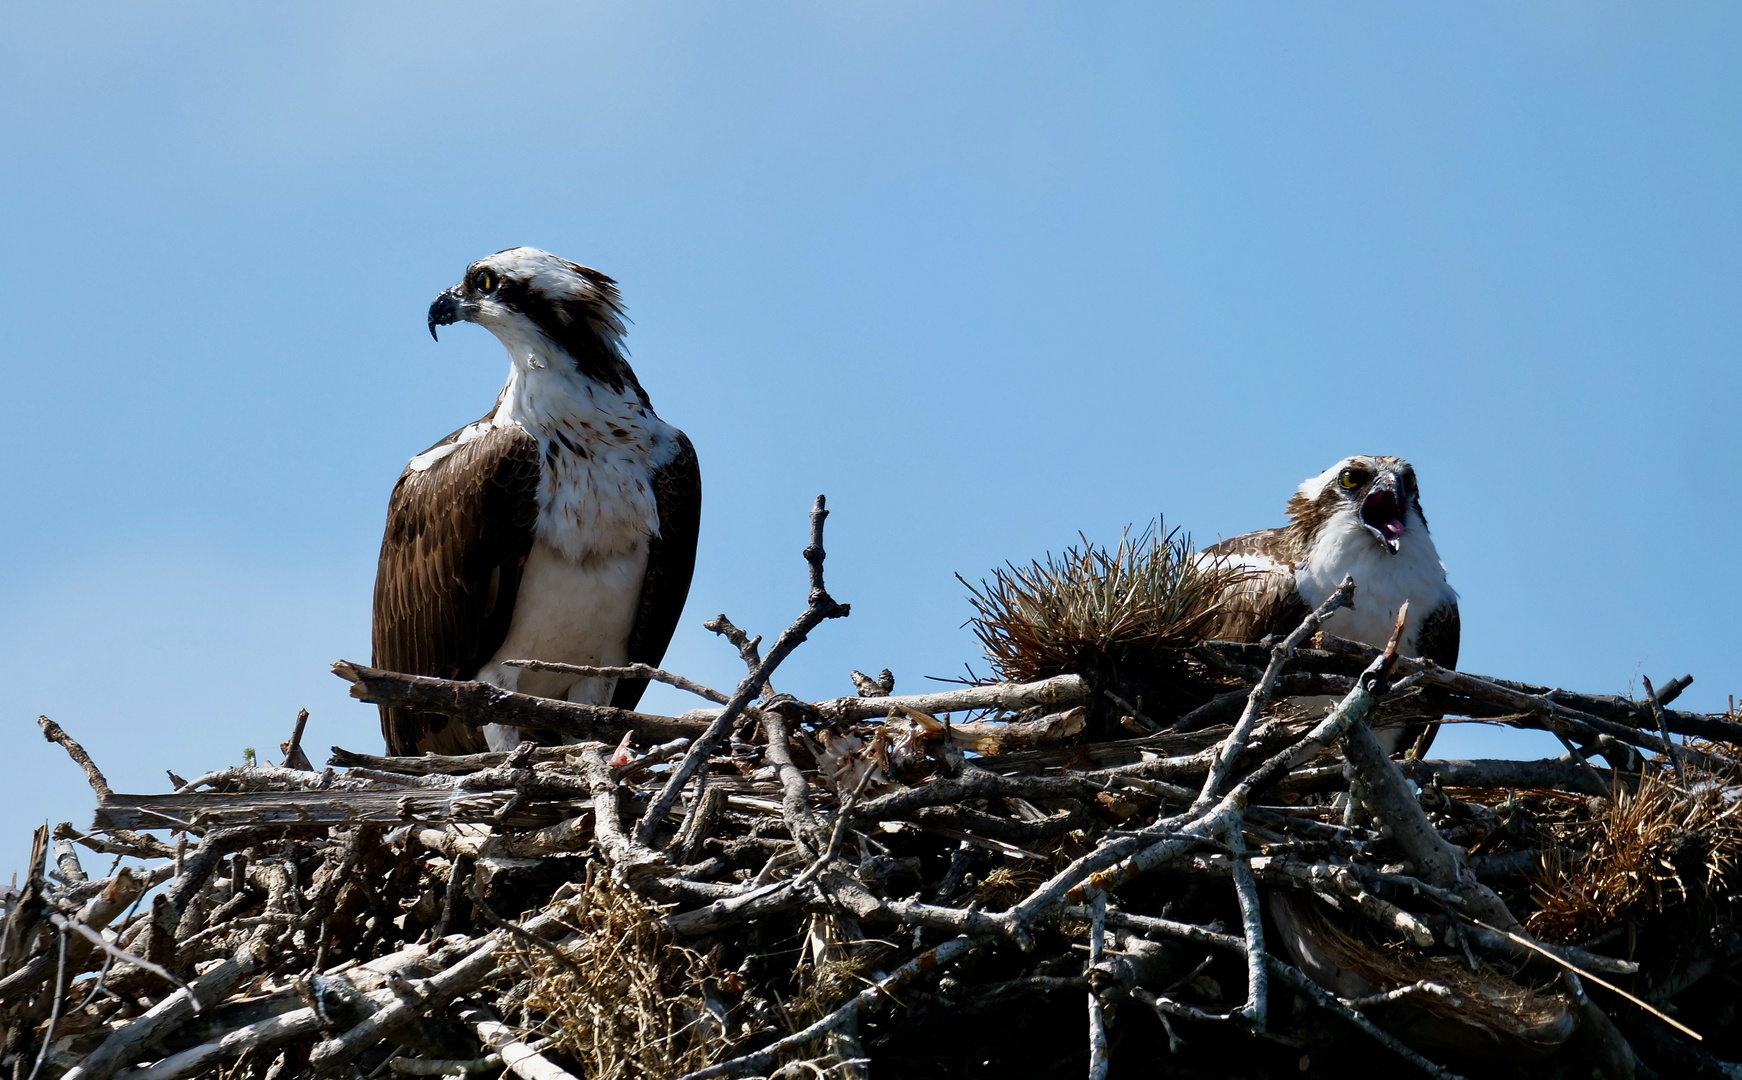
(560, 527)
(1362, 518)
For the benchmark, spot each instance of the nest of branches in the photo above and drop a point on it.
(963, 883)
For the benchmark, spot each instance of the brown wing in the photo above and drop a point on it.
(457, 537)
(671, 559)
(1263, 601)
(1438, 641)
(1440, 631)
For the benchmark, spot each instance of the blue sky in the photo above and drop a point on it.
(987, 275)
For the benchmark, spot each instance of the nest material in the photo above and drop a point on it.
(856, 880)
(1122, 616)
(1447, 1010)
(623, 998)
(1664, 845)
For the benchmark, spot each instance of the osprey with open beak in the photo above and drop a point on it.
(1361, 518)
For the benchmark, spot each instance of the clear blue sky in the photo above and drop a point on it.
(987, 275)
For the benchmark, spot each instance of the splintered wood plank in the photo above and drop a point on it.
(206, 809)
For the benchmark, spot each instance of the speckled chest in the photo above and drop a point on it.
(599, 449)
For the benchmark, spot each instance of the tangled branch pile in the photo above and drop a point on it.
(769, 887)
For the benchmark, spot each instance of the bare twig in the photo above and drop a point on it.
(629, 858)
(1675, 752)
(1099, 1057)
(627, 671)
(822, 606)
(801, 821)
(294, 758)
(520, 1059)
(1257, 1007)
(1235, 744)
(928, 961)
(479, 703)
(54, 733)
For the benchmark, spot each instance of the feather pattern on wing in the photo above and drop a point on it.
(459, 526)
(1438, 641)
(1264, 601)
(671, 559)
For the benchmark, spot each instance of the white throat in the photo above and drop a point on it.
(598, 449)
(1383, 581)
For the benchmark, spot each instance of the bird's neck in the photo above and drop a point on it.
(546, 392)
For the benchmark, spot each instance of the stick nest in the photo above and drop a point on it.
(939, 885)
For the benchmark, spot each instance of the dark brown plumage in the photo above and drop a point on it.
(671, 559)
(457, 536)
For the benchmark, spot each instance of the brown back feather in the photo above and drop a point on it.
(1265, 601)
(457, 538)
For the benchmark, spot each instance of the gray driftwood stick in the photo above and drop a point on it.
(795, 805)
(437, 764)
(96, 913)
(1563, 773)
(1060, 691)
(126, 1042)
(1390, 800)
(520, 1059)
(205, 809)
(471, 971)
(265, 1034)
(479, 703)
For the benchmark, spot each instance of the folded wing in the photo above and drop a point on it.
(459, 526)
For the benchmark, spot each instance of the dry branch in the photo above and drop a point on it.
(479, 703)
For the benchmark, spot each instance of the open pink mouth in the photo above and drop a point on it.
(1382, 513)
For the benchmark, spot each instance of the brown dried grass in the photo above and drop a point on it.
(1005, 885)
(642, 1009)
(831, 968)
(1635, 853)
(1094, 608)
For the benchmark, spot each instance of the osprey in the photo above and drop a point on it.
(560, 527)
(1362, 518)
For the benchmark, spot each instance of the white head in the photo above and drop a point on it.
(1378, 495)
(524, 294)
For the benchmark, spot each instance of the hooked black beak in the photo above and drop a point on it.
(1382, 511)
(447, 309)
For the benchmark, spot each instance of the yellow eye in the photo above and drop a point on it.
(1351, 479)
(484, 281)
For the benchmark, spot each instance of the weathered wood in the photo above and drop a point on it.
(311, 875)
(1345, 657)
(205, 809)
(426, 765)
(1060, 691)
(477, 704)
(1562, 773)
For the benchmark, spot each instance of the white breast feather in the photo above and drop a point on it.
(1383, 581)
(601, 503)
(580, 591)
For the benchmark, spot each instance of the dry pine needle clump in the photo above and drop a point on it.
(1124, 614)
